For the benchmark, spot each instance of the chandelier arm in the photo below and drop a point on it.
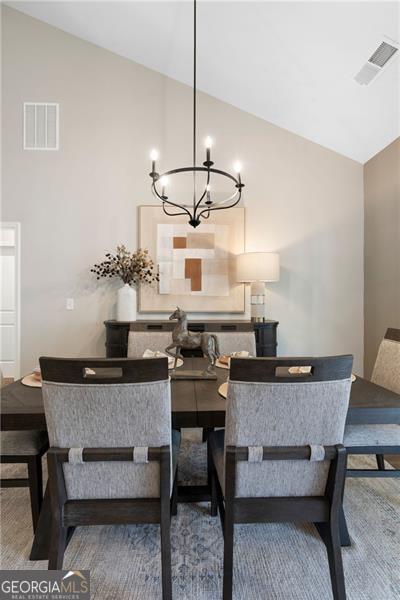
(202, 196)
(201, 169)
(172, 214)
(164, 199)
(226, 200)
(221, 207)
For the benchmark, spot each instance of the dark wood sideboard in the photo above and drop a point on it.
(117, 334)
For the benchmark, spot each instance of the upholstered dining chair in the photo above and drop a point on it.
(26, 447)
(379, 439)
(230, 342)
(112, 454)
(140, 341)
(281, 456)
(237, 341)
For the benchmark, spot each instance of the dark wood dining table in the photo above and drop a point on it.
(194, 403)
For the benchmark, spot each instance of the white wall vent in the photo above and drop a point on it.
(386, 51)
(40, 126)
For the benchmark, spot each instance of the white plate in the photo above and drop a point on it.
(171, 363)
(30, 381)
(171, 360)
(223, 389)
(221, 365)
(297, 370)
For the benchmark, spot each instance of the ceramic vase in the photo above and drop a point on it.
(126, 303)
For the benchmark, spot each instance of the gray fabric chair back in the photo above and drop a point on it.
(387, 365)
(139, 341)
(106, 403)
(264, 409)
(237, 341)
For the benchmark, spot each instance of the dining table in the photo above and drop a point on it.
(194, 403)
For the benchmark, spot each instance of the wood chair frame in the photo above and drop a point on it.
(324, 511)
(34, 481)
(68, 514)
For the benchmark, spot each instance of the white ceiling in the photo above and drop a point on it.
(290, 63)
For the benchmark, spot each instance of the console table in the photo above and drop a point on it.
(117, 334)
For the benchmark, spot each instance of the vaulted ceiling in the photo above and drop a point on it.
(290, 63)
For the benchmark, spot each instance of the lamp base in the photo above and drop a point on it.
(257, 295)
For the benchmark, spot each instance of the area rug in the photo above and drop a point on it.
(271, 561)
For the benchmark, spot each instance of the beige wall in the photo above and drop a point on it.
(382, 248)
(75, 204)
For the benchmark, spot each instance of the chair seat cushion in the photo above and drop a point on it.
(20, 443)
(372, 435)
(216, 440)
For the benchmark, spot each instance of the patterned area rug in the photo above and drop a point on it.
(274, 561)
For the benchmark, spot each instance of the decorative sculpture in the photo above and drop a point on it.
(182, 338)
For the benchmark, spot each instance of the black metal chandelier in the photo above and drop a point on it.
(203, 203)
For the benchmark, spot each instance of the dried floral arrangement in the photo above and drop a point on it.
(131, 267)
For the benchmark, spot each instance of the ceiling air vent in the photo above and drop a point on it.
(379, 59)
(40, 126)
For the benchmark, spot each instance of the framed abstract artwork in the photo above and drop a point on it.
(196, 266)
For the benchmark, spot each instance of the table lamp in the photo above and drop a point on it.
(257, 268)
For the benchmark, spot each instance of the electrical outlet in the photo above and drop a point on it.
(70, 304)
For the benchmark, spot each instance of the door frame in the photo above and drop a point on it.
(16, 226)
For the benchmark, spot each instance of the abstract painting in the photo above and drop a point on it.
(193, 262)
(195, 265)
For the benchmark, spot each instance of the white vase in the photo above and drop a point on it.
(126, 303)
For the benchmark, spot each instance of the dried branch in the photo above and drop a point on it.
(130, 267)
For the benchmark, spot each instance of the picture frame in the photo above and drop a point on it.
(196, 266)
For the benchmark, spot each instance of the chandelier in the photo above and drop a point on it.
(203, 202)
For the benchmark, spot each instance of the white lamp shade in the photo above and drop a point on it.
(257, 266)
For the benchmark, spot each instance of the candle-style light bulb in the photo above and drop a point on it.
(208, 143)
(164, 183)
(153, 157)
(237, 168)
(208, 201)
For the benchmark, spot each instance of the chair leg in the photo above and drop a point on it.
(344, 532)
(212, 482)
(206, 431)
(228, 552)
(174, 496)
(165, 523)
(165, 531)
(335, 562)
(35, 487)
(58, 544)
(380, 459)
